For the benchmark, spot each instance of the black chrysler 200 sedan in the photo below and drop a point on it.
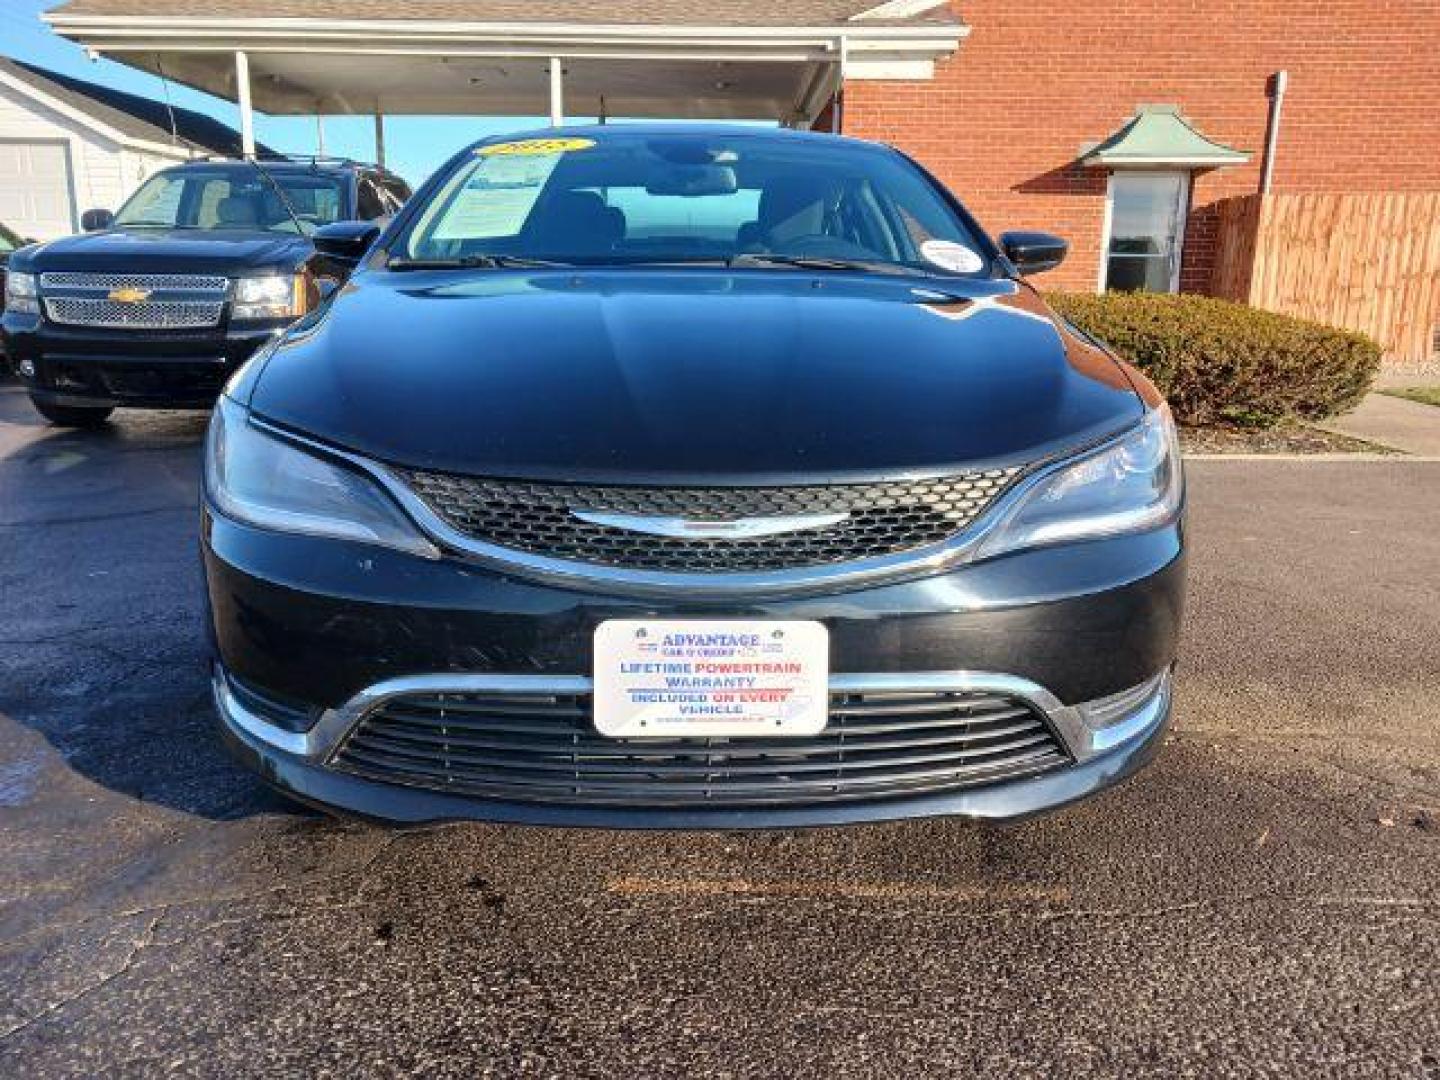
(688, 477)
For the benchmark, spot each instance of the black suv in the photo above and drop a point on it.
(157, 304)
(9, 241)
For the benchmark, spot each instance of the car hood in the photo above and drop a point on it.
(169, 251)
(696, 374)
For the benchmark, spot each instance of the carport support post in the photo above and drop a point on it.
(380, 139)
(557, 92)
(242, 95)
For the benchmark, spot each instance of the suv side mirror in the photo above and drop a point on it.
(96, 220)
(1033, 252)
(348, 240)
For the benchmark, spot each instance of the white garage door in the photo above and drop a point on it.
(35, 195)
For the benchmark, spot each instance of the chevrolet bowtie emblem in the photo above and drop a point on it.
(129, 296)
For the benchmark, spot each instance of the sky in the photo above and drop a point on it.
(414, 145)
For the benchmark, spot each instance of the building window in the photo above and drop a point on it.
(1145, 231)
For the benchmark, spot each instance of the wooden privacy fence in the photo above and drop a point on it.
(1365, 262)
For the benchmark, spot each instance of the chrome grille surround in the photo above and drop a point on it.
(65, 279)
(881, 519)
(543, 747)
(175, 301)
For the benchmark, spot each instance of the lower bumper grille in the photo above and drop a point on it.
(544, 748)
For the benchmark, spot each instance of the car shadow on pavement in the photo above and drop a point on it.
(103, 649)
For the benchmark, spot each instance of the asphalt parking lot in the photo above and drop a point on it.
(1264, 900)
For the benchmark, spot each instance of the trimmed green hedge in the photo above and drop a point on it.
(1215, 360)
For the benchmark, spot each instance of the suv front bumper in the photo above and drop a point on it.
(96, 368)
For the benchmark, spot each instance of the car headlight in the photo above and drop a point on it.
(1130, 485)
(270, 296)
(262, 480)
(21, 294)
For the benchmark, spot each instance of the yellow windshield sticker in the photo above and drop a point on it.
(536, 147)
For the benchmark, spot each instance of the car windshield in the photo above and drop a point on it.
(233, 198)
(647, 197)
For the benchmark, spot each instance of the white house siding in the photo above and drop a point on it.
(103, 172)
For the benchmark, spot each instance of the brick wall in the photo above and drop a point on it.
(1003, 121)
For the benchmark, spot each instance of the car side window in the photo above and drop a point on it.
(369, 205)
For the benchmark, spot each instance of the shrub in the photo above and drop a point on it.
(1214, 360)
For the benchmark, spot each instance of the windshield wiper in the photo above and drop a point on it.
(817, 262)
(488, 262)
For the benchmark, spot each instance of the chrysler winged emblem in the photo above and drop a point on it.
(693, 529)
(129, 295)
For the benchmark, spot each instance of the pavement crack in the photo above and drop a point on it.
(352, 877)
(91, 519)
(146, 939)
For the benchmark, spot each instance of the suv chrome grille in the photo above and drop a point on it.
(880, 519)
(146, 315)
(185, 282)
(529, 747)
(171, 301)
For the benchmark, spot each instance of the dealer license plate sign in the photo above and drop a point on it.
(698, 678)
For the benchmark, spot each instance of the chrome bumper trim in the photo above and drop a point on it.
(1082, 737)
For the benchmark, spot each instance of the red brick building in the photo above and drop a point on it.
(1006, 119)
(1006, 100)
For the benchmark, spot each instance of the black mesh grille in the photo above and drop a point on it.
(544, 748)
(884, 518)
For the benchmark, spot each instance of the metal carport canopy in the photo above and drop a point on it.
(727, 59)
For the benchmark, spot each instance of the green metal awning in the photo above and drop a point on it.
(1157, 135)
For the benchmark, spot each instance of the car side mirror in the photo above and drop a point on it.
(1033, 252)
(326, 287)
(348, 240)
(96, 220)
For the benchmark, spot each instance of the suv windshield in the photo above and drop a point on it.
(640, 196)
(233, 198)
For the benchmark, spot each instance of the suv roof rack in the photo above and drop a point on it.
(296, 159)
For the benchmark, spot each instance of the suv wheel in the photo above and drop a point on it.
(79, 416)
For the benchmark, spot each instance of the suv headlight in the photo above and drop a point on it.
(270, 296)
(20, 293)
(1131, 485)
(262, 480)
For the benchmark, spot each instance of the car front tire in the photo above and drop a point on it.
(76, 416)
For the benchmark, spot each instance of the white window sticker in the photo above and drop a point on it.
(949, 255)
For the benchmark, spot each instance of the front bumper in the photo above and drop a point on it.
(302, 772)
(327, 627)
(100, 368)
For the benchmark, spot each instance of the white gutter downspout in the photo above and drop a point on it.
(557, 92)
(242, 95)
(1279, 82)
